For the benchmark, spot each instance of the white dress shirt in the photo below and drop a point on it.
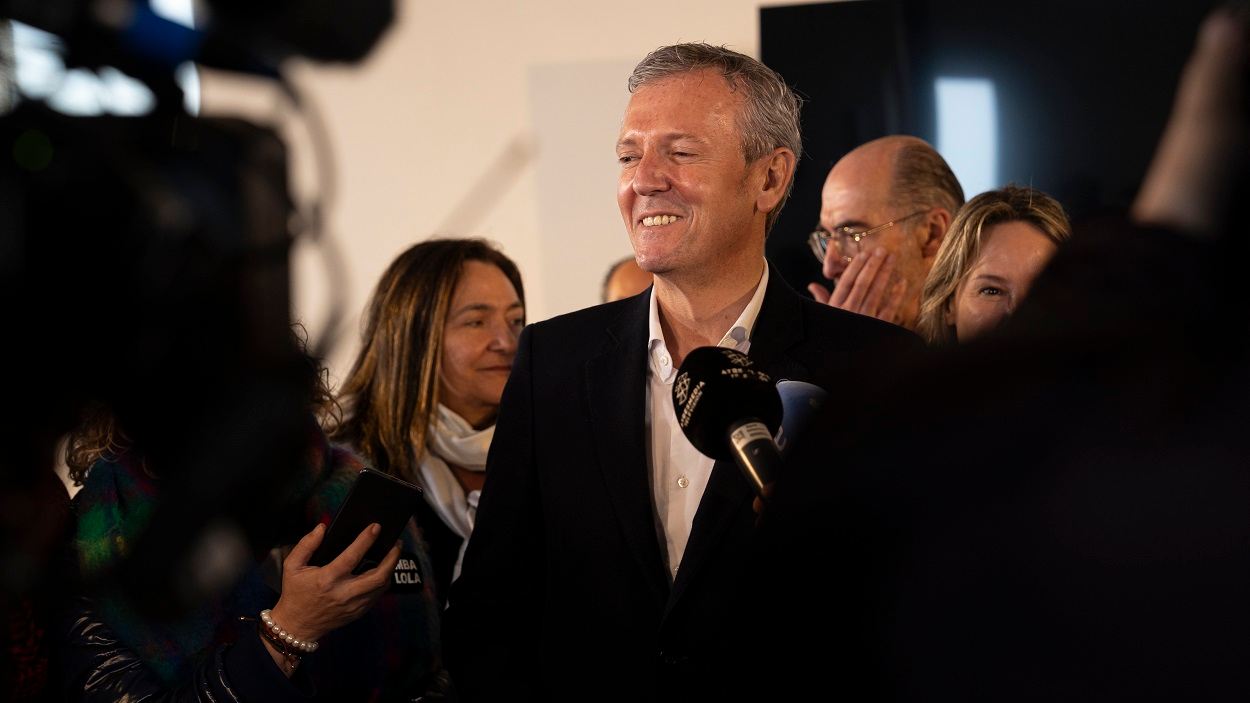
(679, 473)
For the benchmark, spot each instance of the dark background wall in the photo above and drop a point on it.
(1083, 90)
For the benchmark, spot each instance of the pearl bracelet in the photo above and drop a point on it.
(282, 635)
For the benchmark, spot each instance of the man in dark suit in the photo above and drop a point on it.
(609, 559)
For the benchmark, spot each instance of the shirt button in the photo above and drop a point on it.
(664, 360)
(682, 482)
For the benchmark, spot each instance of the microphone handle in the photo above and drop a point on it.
(755, 452)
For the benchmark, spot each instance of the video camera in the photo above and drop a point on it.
(144, 269)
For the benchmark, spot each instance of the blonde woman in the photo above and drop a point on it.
(995, 248)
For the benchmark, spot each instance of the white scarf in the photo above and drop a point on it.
(452, 440)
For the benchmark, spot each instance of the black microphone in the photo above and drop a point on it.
(728, 409)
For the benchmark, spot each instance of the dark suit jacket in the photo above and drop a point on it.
(564, 592)
(1056, 512)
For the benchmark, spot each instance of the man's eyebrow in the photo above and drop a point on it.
(851, 223)
(684, 135)
(671, 137)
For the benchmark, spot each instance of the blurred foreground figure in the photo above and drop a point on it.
(1068, 518)
(143, 268)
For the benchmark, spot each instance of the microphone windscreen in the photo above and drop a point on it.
(716, 388)
(799, 402)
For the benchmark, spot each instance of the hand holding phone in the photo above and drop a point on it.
(377, 498)
(316, 600)
(334, 575)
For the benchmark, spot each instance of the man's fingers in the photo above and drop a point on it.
(847, 281)
(345, 562)
(883, 281)
(820, 293)
(855, 299)
(304, 548)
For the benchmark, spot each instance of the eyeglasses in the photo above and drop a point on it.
(849, 240)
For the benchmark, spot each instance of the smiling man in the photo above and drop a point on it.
(611, 560)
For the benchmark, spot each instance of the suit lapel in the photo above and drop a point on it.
(615, 382)
(778, 328)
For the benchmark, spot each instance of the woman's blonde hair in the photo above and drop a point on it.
(962, 247)
(391, 393)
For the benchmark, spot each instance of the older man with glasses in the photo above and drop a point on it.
(884, 211)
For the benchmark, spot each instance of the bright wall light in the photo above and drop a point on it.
(967, 122)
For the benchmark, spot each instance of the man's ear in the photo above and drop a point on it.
(935, 226)
(778, 170)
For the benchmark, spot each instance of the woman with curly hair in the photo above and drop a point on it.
(293, 632)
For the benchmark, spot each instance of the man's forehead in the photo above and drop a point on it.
(844, 201)
(683, 98)
(699, 79)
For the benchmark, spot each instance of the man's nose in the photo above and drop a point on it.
(834, 264)
(651, 175)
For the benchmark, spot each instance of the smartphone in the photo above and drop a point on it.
(373, 497)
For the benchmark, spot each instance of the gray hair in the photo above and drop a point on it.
(922, 178)
(770, 113)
